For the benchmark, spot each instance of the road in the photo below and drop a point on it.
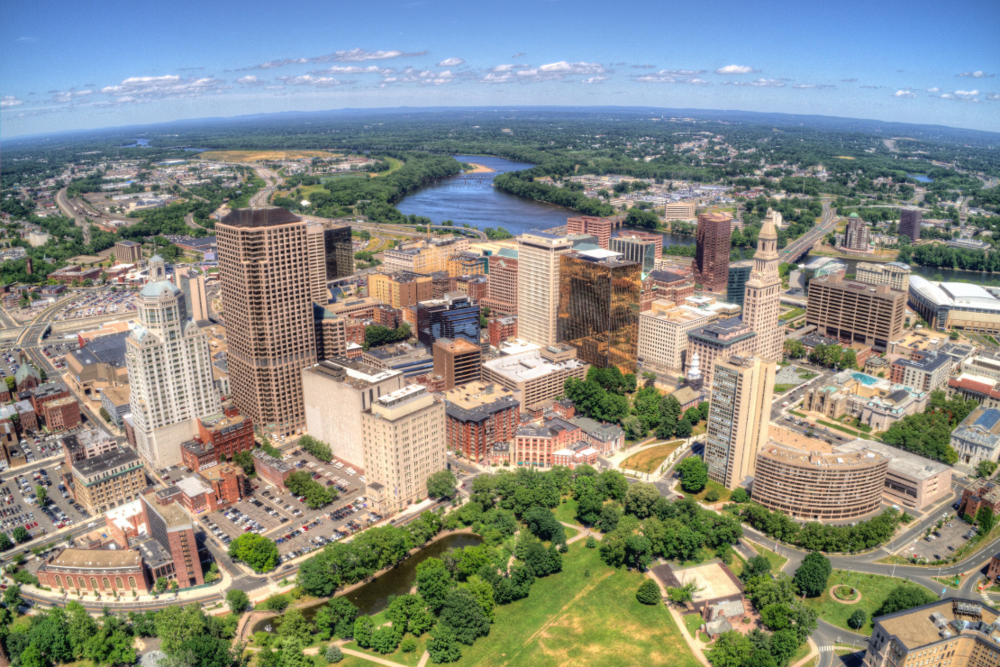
(800, 246)
(70, 210)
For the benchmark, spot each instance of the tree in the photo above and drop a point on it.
(683, 594)
(757, 566)
(160, 585)
(316, 495)
(986, 520)
(441, 484)
(175, 625)
(12, 598)
(610, 516)
(255, 550)
(409, 645)
(905, 596)
(986, 468)
(648, 593)
(334, 654)
(337, 616)
(42, 495)
(364, 628)
(386, 639)
(238, 601)
(731, 649)
(739, 495)
(443, 646)
(433, 582)
(639, 499)
(21, 535)
(694, 474)
(812, 574)
(543, 524)
(5, 542)
(464, 615)
(858, 619)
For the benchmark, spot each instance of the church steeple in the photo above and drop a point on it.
(762, 296)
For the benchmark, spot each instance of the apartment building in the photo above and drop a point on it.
(927, 373)
(403, 438)
(501, 295)
(894, 274)
(856, 234)
(480, 415)
(107, 480)
(909, 222)
(856, 312)
(663, 334)
(400, 290)
(594, 226)
(537, 375)
(267, 298)
(538, 285)
(680, 211)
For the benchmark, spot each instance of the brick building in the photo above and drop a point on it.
(501, 329)
(62, 414)
(218, 435)
(479, 415)
(271, 470)
(502, 297)
(711, 261)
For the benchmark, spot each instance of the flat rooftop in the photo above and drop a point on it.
(353, 372)
(711, 579)
(528, 366)
(916, 627)
(901, 462)
(97, 558)
(174, 516)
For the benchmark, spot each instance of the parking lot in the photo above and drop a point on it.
(100, 302)
(943, 541)
(19, 503)
(56, 352)
(9, 361)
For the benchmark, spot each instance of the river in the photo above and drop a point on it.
(929, 272)
(373, 597)
(474, 201)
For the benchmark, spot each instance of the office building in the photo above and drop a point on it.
(856, 234)
(951, 632)
(107, 480)
(538, 285)
(336, 392)
(680, 211)
(453, 316)
(408, 359)
(663, 334)
(537, 443)
(128, 252)
(598, 227)
(458, 361)
(220, 435)
(719, 341)
(537, 375)
(656, 238)
(338, 251)
(711, 261)
(912, 480)
(977, 438)
(331, 332)
(400, 290)
(633, 249)
(117, 401)
(926, 372)
(856, 312)
(762, 299)
(501, 329)
(272, 470)
(476, 287)
(670, 286)
(599, 295)
(894, 274)
(739, 274)
(909, 222)
(192, 284)
(170, 373)
(479, 416)
(815, 483)
(738, 418)
(267, 300)
(465, 264)
(315, 258)
(501, 296)
(424, 257)
(403, 436)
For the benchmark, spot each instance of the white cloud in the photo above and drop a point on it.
(934, 90)
(967, 93)
(803, 86)
(979, 74)
(63, 98)
(249, 80)
(146, 88)
(962, 96)
(550, 72)
(310, 80)
(736, 69)
(355, 69)
(757, 83)
(422, 77)
(9, 101)
(274, 88)
(904, 93)
(595, 79)
(674, 76)
(992, 97)
(353, 55)
(451, 62)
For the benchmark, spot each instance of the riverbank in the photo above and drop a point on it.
(479, 169)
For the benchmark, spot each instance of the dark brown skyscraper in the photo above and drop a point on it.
(264, 268)
(909, 222)
(711, 260)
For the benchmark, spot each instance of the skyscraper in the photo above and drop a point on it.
(636, 249)
(738, 418)
(599, 307)
(909, 222)
(502, 287)
(454, 316)
(192, 283)
(170, 372)
(331, 256)
(538, 286)
(739, 274)
(267, 301)
(762, 298)
(711, 260)
(856, 234)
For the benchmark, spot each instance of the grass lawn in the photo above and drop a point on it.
(777, 562)
(840, 427)
(792, 314)
(724, 493)
(572, 618)
(797, 414)
(800, 653)
(700, 429)
(736, 567)
(408, 659)
(692, 622)
(782, 388)
(650, 460)
(874, 589)
(570, 532)
(566, 511)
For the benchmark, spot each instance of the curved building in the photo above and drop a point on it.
(961, 306)
(819, 486)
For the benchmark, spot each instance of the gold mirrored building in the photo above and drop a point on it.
(599, 307)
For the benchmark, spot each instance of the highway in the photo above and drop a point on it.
(801, 246)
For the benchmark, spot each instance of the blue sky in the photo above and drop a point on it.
(84, 64)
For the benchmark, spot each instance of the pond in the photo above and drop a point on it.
(373, 597)
(921, 178)
(472, 200)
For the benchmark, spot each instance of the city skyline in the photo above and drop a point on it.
(815, 61)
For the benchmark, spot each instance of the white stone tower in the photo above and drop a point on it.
(762, 296)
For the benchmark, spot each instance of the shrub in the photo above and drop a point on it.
(712, 496)
(858, 619)
(591, 543)
(739, 495)
(648, 593)
(409, 645)
(334, 654)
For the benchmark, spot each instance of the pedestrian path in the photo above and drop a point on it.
(827, 649)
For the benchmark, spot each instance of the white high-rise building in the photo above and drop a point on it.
(538, 286)
(762, 296)
(170, 373)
